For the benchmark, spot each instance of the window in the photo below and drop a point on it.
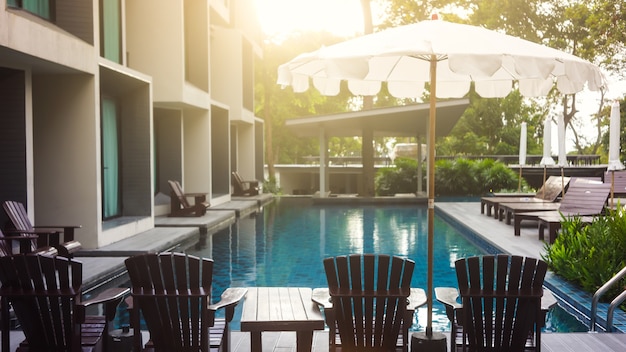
(110, 29)
(41, 8)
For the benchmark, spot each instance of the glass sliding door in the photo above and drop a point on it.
(111, 204)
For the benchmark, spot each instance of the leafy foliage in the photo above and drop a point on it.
(453, 177)
(399, 179)
(590, 255)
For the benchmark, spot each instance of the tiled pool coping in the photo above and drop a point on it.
(572, 299)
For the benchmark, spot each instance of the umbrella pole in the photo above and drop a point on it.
(427, 341)
(431, 190)
(612, 188)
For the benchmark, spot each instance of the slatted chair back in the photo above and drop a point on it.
(177, 192)
(585, 198)
(172, 291)
(18, 216)
(240, 187)
(501, 297)
(46, 236)
(42, 291)
(369, 295)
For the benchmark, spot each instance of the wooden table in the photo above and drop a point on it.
(281, 309)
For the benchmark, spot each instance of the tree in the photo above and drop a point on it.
(275, 104)
(594, 30)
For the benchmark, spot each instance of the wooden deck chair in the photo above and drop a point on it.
(244, 188)
(173, 293)
(48, 235)
(26, 243)
(370, 307)
(45, 293)
(180, 206)
(501, 304)
(580, 199)
(548, 193)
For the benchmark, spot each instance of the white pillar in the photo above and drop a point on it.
(323, 163)
(420, 159)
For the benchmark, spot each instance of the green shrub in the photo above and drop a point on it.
(590, 255)
(270, 186)
(402, 178)
(458, 177)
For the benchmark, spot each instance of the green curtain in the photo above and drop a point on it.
(110, 160)
(111, 30)
(39, 7)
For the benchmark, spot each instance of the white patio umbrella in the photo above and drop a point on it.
(546, 159)
(449, 57)
(562, 161)
(523, 141)
(614, 145)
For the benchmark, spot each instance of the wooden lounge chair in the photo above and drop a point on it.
(548, 193)
(552, 223)
(180, 206)
(173, 293)
(48, 235)
(371, 302)
(580, 199)
(501, 303)
(45, 293)
(244, 188)
(508, 210)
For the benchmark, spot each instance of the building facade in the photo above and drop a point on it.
(103, 101)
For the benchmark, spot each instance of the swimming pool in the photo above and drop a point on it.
(285, 243)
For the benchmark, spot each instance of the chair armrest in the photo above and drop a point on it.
(111, 298)
(195, 194)
(548, 300)
(417, 298)
(229, 300)
(106, 296)
(35, 232)
(64, 227)
(448, 296)
(321, 296)
(231, 297)
(68, 230)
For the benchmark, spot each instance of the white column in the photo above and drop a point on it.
(323, 163)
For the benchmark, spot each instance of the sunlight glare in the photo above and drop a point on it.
(341, 17)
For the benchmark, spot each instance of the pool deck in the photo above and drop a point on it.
(108, 261)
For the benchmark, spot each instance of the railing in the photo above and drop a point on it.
(614, 304)
(573, 160)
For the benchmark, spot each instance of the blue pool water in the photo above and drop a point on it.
(284, 245)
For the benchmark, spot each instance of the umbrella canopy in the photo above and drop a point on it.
(401, 57)
(449, 57)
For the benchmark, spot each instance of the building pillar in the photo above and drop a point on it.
(367, 154)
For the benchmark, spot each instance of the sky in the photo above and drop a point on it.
(345, 18)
